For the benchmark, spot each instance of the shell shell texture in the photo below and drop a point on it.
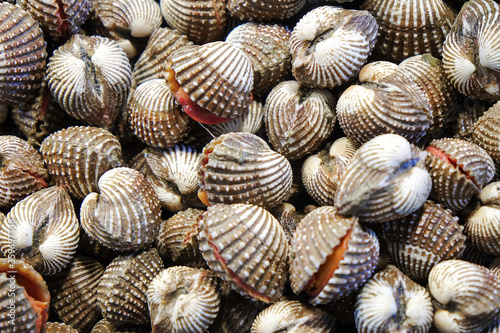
(105, 326)
(250, 121)
(329, 45)
(90, 78)
(23, 55)
(247, 247)
(58, 328)
(486, 132)
(236, 313)
(183, 299)
(264, 10)
(125, 214)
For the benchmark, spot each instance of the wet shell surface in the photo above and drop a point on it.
(241, 168)
(298, 119)
(486, 132)
(247, 247)
(183, 299)
(331, 255)
(264, 10)
(250, 121)
(385, 180)
(58, 328)
(76, 157)
(90, 78)
(329, 45)
(125, 213)
(23, 55)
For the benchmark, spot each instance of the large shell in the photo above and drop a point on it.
(298, 119)
(486, 132)
(329, 45)
(385, 180)
(125, 214)
(264, 10)
(332, 255)
(23, 55)
(183, 299)
(76, 157)
(247, 246)
(240, 167)
(90, 78)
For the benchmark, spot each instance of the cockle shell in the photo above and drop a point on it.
(236, 313)
(469, 110)
(58, 328)
(385, 180)
(486, 132)
(250, 121)
(288, 217)
(23, 55)
(391, 302)
(105, 326)
(90, 78)
(329, 45)
(247, 247)
(183, 299)
(125, 213)
(264, 10)
(240, 167)
(298, 119)
(331, 255)
(495, 267)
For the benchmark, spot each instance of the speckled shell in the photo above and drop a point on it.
(320, 235)
(22, 171)
(154, 115)
(486, 132)
(459, 170)
(298, 119)
(329, 45)
(247, 247)
(410, 27)
(58, 328)
(183, 299)
(288, 217)
(23, 55)
(385, 180)
(472, 49)
(90, 78)
(264, 10)
(121, 293)
(77, 156)
(467, 296)
(321, 172)
(391, 302)
(125, 213)
(268, 48)
(240, 167)
(59, 19)
(293, 316)
(423, 239)
(250, 121)
(201, 20)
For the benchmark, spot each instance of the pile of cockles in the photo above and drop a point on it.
(256, 166)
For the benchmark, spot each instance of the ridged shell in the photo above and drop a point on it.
(122, 289)
(268, 48)
(321, 172)
(23, 55)
(423, 239)
(202, 21)
(139, 17)
(385, 180)
(58, 328)
(90, 78)
(410, 27)
(391, 302)
(298, 119)
(125, 214)
(332, 255)
(250, 121)
(467, 296)
(74, 293)
(155, 117)
(329, 45)
(264, 10)
(471, 52)
(183, 299)
(486, 132)
(469, 110)
(104, 326)
(495, 267)
(293, 316)
(288, 217)
(22, 170)
(247, 246)
(44, 228)
(58, 18)
(76, 157)
(236, 314)
(240, 167)
(459, 170)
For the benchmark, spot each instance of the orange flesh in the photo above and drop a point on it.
(443, 156)
(320, 279)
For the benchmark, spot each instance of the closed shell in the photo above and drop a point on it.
(264, 10)
(486, 132)
(58, 328)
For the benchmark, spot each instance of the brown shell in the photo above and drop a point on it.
(469, 110)
(105, 326)
(58, 328)
(250, 121)
(264, 10)
(486, 132)
(288, 217)
(495, 267)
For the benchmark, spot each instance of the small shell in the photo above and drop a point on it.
(58, 328)
(264, 10)
(288, 217)
(391, 302)
(486, 132)
(104, 326)
(125, 214)
(250, 121)
(329, 45)
(183, 299)
(247, 246)
(298, 119)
